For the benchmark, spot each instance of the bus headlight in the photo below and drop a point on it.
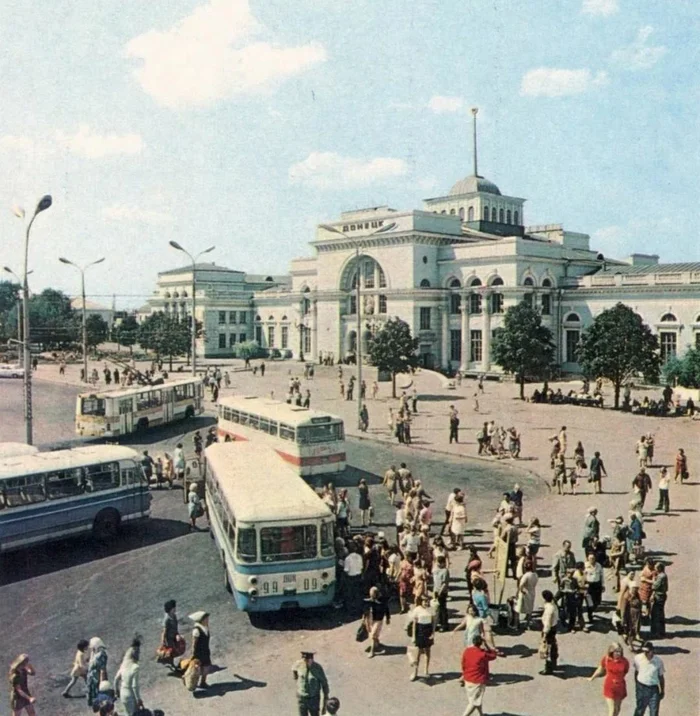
(324, 575)
(324, 587)
(252, 580)
(252, 592)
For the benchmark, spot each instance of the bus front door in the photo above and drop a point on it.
(168, 406)
(126, 423)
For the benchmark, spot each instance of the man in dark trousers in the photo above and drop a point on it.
(642, 484)
(311, 683)
(454, 424)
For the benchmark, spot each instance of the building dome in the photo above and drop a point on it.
(472, 184)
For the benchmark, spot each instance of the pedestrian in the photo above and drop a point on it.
(534, 537)
(353, 567)
(422, 620)
(441, 585)
(389, 482)
(642, 450)
(262, 369)
(475, 674)
(97, 668)
(646, 581)
(201, 650)
(593, 572)
(550, 620)
(596, 471)
(376, 611)
(195, 507)
(564, 559)
(664, 483)
(454, 424)
(681, 466)
(364, 418)
(472, 624)
(631, 614)
(20, 696)
(126, 681)
(508, 533)
(405, 479)
(615, 667)
(363, 389)
(516, 500)
(35, 363)
(311, 684)
(458, 522)
(527, 591)
(414, 402)
(147, 464)
(641, 484)
(591, 529)
(179, 463)
(307, 399)
(481, 383)
(562, 439)
(659, 594)
(375, 390)
(159, 468)
(364, 505)
(79, 668)
(649, 681)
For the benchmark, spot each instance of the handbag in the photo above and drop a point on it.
(362, 634)
(543, 650)
(409, 629)
(192, 674)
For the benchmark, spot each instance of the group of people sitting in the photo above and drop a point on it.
(582, 397)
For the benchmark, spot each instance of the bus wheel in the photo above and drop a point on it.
(189, 413)
(106, 525)
(142, 425)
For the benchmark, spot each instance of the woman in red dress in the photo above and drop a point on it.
(615, 667)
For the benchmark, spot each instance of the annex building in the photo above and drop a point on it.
(450, 269)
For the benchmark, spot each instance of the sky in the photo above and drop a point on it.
(245, 123)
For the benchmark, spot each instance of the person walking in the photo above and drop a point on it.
(353, 567)
(376, 611)
(201, 650)
(171, 643)
(593, 573)
(564, 559)
(364, 503)
(649, 681)
(389, 482)
(458, 522)
(364, 418)
(641, 484)
(596, 471)
(550, 621)
(423, 620)
(631, 614)
(534, 537)
(681, 466)
(311, 685)
(147, 464)
(591, 529)
(179, 463)
(664, 484)
(79, 668)
(615, 666)
(454, 424)
(527, 591)
(659, 594)
(97, 668)
(441, 585)
(195, 506)
(20, 696)
(126, 681)
(475, 673)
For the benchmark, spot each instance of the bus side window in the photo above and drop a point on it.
(34, 489)
(103, 477)
(125, 406)
(273, 427)
(66, 483)
(142, 401)
(286, 432)
(235, 418)
(13, 492)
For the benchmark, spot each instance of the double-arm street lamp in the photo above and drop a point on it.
(82, 270)
(44, 203)
(177, 246)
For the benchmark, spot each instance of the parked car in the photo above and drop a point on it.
(11, 371)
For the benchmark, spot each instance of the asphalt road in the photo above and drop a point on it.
(54, 595)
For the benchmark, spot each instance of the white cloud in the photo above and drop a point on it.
(441, 104)
(87, 143)
(134, 214)
(554, 82)
(604, 8)
(15, 143)
(211, 54)
(327, 170)
(639, 55)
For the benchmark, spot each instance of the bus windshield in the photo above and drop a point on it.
(284, 544)
(92, 406)
(319, 433)
(246, 549)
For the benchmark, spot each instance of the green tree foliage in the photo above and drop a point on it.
(53, 322)
(617, 346)
(394, 350)
(683, 371)
(165, 335)
(9, 295)
(523, 346)
(126, 332)
(248, 350)
(97, 330)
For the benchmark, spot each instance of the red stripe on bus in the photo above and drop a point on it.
(310, 461)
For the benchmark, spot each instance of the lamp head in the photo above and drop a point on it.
(65, 261)
(206, 251)
(44, 203)
(175, 245)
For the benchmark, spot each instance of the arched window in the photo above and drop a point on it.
(501, 216)
(370, 271)
(546, 283)
(528, 281)
(284, 318)
(470, 214)
(452, 212)
(573, 318)
(382, 278)
(306, 289)
(486, 213)
(455, 303)
(508, 216)
(461, 213)
(454, 283)
(494, 214)
(476, 281)
(270, 318)
(425, 283)
(497, 281)
(697, 319)
(668, 318)
(257, 318)
(516, 218)
(443, 212)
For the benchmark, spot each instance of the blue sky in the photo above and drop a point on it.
(244, 124)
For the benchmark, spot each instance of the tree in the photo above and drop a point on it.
(248, 350)
(394, 350)
(523, 346)
(165, 335)
(97, 330)
(618, 345)
(9, 295)
(53, 322)
(683, 371)
(126, 333)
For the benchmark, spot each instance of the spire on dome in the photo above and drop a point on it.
(475, 111)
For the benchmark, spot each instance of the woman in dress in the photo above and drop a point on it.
(458, 522)
(440, 550)
(364, 503)
(534, 537)
(20, 698)
(525, 602)
(631, 615)
(195, 508)
(419, 581)
(342, 514)
(472, 624)
(423, 618)
(168, 470)
(405, 582)
(97, 668)
(126, 682)
(646, 582)
(200, 645)
(615, 667)
(472, 570)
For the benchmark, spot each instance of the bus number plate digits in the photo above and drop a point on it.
(290, 578)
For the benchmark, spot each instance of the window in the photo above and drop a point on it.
(369, 274)
(573, 338)
(425, 283)
(424, 318)
(283, 544)
(516, 218)
(497, 281)
(326, 433)
(258, 335)
(307, 341)
(23, 491)
(232, 317)
(546, 283)
(382, 304)
(150, 399)
(470, 214)
(306, 306)
(66, 483)
(92, 406)
(508, 216)
(285, 337)
(287, 432)
(528, 281)
(455, 303)
(182, 392)
(572, 318)
(125, 406)
(270, 336)
(501, 216)
(461, 213)
(353, 305)
(242, 337)
(475, 347)
(246, 547)
(232, 340)
(494, 215)
(496, 303)
(222, 318)
(452, 212)
(241, 316)
(456, 345)
(486, 213)
(546, 304)
(475, 282)
(327, 546)
(382, 278)
(527, 299)
(668, 318)
(475, 303)
(102, 477)
(222, 340)
(668, 340)
(697, 340)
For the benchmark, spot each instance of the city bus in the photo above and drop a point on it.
(15, 449)
(121, 411)
(52, 495)
(312, 441)
(273, 532)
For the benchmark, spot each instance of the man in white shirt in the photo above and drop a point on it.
(410, 542)
(354, 598)
(400, 521)
(649, 681)
(448, 508)
(550, 620)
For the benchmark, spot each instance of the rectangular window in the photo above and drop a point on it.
(327, 548)
(456, 345)
(92, 406)
(527, 298)
(546, 304)
(242, 317)
(66, 483)
(668, 342)
(382, 279)
(573, 337)
(285, 544)
(475, 347)
(222, 340)
(424, 319)
(102, 477)
(330, 432)
(183, 392)
(455, 303)
(125, 406)
(222, 318)
(258, 335)
(307, 340)
(497, 303)
(270, 336)
(353, 305)
(369, 275)
(242, 338)
(697, 340)
(285, 337)
(232, 317)
(287, 432)
(382, 304)
(22, 491)
(246, 546)
(232, 340)
(475, 303)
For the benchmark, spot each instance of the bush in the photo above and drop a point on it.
(249, 350)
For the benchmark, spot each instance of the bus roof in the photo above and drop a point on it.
(13, 449)
(134, 389)
(259, 486)
(276, 410)
(63, 459)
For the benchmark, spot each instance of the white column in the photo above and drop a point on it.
(314, 331)
(486, 339)
(445, 342)
(464, 365)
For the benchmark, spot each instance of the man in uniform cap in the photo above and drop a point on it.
(311, 681)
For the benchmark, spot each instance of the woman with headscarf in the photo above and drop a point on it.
(126, 682)
(20, 698)
(200, 644)
(195, 509)
(97, 668)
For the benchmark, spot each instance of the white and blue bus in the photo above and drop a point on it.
(273, 532)
(51, 495)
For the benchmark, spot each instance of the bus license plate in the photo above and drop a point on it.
(290, 580)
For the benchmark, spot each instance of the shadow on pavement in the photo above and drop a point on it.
(668, 650)
(506, 679)
(350, 477)
(519, 650)
(224, 687)
(315, 619)
(571, 671)
(682, 620)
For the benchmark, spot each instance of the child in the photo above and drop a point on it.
(79, 669)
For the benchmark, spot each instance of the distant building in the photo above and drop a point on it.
(93, 309)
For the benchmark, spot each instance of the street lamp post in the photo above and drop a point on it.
(177, 246)
(44, 203)
(82, 270)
